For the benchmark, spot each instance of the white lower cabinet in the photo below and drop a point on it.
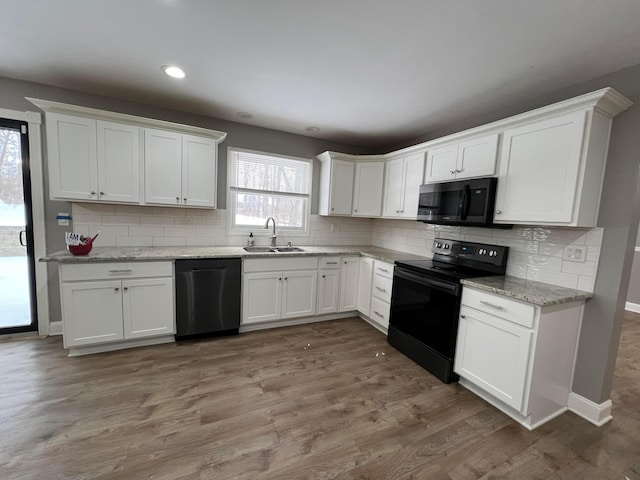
(381, 293)
(517, 356)
(328, 285)
(111, 302)
(275, 289)
(350, 271)
(365, 279)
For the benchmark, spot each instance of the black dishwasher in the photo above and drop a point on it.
(208, 297)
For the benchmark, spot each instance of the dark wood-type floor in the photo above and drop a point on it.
(323, 401)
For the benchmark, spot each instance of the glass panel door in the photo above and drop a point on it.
(17, 312)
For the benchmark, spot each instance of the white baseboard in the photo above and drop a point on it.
(632, 307)
(55, 328)
(598, 414)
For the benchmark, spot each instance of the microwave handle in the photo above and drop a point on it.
(466, 203)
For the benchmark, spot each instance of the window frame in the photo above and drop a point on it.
(257, 230)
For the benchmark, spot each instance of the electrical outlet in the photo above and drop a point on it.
(575, 254)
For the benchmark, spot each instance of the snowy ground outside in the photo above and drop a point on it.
(12, 215)
(15, 309)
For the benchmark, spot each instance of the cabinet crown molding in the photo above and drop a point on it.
(93, 113)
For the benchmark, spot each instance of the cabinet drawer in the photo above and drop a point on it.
(499, 306)
(380, 312)
(382, 287)
(383, 268)
(279, 264)
(330, 262)
(96, 271)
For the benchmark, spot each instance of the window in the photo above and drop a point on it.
(263, 185)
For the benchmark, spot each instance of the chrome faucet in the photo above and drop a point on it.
(273, 237)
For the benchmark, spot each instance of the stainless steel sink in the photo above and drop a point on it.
(260, 249)
(273, 249)
(288, 249)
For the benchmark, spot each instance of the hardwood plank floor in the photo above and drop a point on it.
(322, 401)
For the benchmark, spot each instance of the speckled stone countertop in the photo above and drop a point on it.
(536, 293)
(129, 254)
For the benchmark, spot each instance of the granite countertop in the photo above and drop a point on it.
(128, 254)
(536, 293)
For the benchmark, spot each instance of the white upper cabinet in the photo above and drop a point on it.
(474, 157)
(402, 185)
(336, 185)
(96, 156)
(179, 169)
(551, 170)
(73, 164)
(367, 191)
(118, 162)
(199, 171)
(162, 167)
(93, 160)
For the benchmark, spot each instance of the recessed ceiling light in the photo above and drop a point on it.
(173, 71)
(244, 115)
(312, 129)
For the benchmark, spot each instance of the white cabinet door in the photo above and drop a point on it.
(539, 168)
(350, 271)
(494, 354)
(162, 167)
(341, 187)
(393, 187)
(147, 307)
(441, 163)
(299, 293)
(477, 157)
(367, 190)
(262, 297)
(199, 171)
(365, 276)
(91, 312)
(118, 153)
(328, 288)
(71, 145)
(413, 174)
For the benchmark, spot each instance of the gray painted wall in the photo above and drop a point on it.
(12, 93)
(619, 214)
(633, 294)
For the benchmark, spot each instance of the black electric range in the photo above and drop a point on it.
(425, 300)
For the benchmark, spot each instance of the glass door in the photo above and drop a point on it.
(17, 269)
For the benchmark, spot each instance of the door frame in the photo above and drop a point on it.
(41, 291)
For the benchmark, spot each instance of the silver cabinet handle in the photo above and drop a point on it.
(93, 192)
(489, 304)
(117, 289)
(381, 289)
(126, 288)
(382, 269)
(101, 193)
(498, 212)
(463, 316)
(452, 172)
(184, 200)
(331, 263)
(120, 272)
(324, 276)
(379, 314)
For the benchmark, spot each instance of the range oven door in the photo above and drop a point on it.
(424, 320)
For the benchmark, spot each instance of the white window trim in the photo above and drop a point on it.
(259, 231)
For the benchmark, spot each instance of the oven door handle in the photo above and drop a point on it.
(453, 289)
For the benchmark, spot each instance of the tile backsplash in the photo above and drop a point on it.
(536, 252)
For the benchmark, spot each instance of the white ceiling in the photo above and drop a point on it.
(369, 72)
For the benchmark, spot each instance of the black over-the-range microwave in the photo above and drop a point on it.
(463, 202)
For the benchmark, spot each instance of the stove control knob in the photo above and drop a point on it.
(447, 246)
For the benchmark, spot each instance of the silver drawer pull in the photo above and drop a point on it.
(489, 304)
(120, 272)
(383, 270)
(381, 289)
(379, 314)
(331, 263)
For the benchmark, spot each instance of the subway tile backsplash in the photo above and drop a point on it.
(535, 253)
